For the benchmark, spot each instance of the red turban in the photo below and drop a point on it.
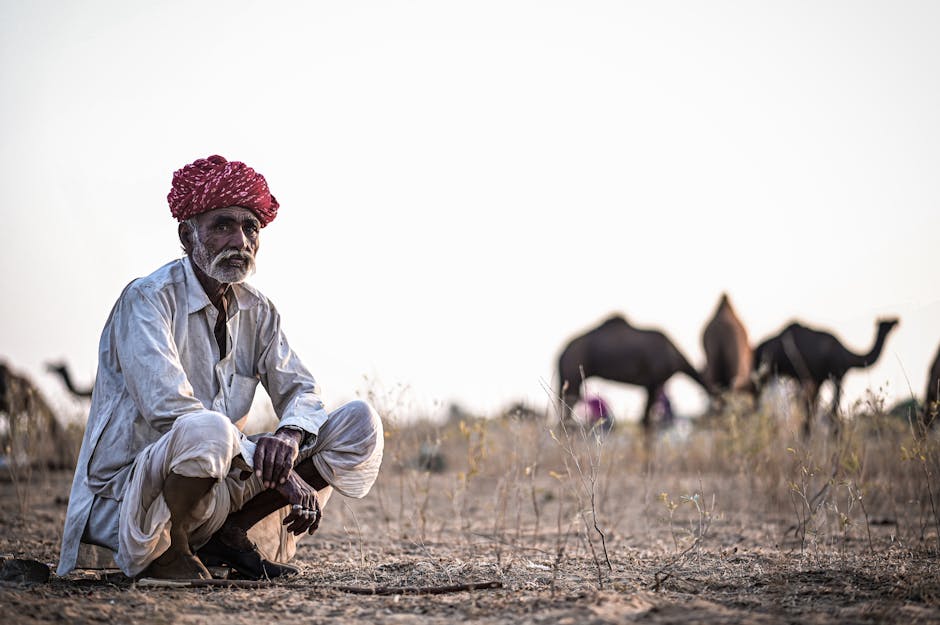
(214, 182)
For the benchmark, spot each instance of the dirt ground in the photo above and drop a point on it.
(727, 524)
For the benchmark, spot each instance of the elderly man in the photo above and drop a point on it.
(165, 478)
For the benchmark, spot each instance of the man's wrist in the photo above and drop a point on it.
(295, 433)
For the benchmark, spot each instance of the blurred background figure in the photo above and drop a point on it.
(662, 413)
(597, 413)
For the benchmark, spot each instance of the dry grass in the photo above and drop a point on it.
(736, 519)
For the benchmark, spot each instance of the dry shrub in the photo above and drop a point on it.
(564, 498)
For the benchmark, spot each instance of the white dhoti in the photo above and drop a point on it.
(347, 452)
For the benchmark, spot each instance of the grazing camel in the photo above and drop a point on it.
(619, 352)
(32, 432)
(932, 395)
(61, 370)
(812, 357)
(727, 353)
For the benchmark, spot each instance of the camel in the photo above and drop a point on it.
(32, 430)
(812, 357)
(933, 392)
(727, 353)
(617, 351)
(61, 370)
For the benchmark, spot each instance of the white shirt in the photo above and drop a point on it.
(158, 360)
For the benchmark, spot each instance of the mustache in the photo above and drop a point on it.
(236, 254)
(225, 255)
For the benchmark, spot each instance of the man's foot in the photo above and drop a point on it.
(177, 565)
(230, 546)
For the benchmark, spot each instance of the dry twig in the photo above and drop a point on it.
(357, 590)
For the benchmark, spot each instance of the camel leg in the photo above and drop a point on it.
(652, 392)
(833, 412)
(716, 395)
(810, 395)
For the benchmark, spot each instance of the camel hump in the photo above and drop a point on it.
(615, 319)
(724, 305)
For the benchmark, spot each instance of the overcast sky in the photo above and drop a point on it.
(464, 186)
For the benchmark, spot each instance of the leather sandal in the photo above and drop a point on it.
(246, 560)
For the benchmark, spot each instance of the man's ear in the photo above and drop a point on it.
(186, 236)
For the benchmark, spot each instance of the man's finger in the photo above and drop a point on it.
(294, 521)
(301, 518)
(260, 456)
(267, 467)
(275, 465)
(318, 514)
(283, 466)
(298, 525)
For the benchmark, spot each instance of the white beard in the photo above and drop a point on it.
(214, 268)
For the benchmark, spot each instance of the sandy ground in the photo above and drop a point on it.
(686, 541)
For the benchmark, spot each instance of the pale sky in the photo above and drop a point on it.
(464, 186)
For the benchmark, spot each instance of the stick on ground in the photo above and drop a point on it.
(358, 590)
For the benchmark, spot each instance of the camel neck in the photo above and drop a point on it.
(874, 353)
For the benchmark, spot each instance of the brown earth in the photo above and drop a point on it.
(738, 522)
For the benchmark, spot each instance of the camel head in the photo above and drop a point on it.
(55, 367)
(886, 325)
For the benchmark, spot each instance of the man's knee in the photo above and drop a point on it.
(360, 409)
(349, 448)
(204, 444)
(353, 428)
(360, 417)
(205, 425)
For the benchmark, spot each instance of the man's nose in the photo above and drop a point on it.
(239, 240)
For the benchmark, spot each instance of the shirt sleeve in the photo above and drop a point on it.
(292, 389)
(150, 362)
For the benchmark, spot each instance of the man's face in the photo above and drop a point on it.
(225, 242)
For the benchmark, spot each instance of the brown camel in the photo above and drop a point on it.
(812, 357)
(931, 407)
(619, 352)
(62, 371)
(33, 434)
(727, 353)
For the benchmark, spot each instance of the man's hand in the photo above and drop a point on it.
(275, 455)
(305, 507)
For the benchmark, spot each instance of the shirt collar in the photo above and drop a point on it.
(196, 298)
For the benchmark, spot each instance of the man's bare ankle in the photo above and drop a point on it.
(234, 535)
(169, 556)
(177, 563)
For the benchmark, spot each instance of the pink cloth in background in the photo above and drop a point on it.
(597, 409)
